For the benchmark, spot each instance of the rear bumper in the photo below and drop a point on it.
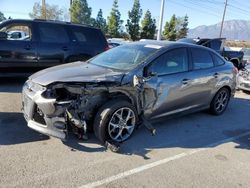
(35, 105)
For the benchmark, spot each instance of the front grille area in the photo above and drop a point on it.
(38, 116)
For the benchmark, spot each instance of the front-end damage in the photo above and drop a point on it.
(61, 106)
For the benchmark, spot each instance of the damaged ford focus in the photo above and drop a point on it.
(127, 86)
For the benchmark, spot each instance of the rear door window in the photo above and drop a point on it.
(201, 59)
(53, 33)
(86, 35)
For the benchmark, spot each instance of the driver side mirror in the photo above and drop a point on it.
(3, 36)
(149, 72)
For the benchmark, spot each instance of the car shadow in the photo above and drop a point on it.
(12, 85)
(198, 130)
(80, 145)
(14, 130)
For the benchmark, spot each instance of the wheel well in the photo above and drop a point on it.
(229, 89)
(119, 95)
(112, 96)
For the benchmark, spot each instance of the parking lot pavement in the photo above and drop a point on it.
(197, 150)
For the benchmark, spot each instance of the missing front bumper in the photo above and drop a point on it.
(51, 125)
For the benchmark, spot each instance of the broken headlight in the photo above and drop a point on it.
(32, 86)
(60, 94)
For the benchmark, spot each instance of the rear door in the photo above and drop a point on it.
(18, 54)
(204, 75)
(87, 42)
(54, 44)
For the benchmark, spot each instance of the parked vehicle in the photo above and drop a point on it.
(114, 42)
(116, 90)
(17, 35)
(243, 79)
(246, 56)
(47, 43)
(217, 44)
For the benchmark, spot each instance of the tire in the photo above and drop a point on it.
(107, 123)
(220, 102)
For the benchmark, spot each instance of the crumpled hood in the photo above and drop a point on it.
(76, 72)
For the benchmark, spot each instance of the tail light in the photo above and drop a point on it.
(235, 70)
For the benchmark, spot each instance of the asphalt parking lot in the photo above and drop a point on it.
(198, 150)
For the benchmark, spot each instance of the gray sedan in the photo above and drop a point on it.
(132, 84)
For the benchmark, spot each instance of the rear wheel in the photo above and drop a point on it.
(115, 121)
(220, 101)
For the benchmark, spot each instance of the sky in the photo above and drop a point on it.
(200, 12)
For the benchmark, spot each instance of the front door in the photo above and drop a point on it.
(167, 90)
(18, 52)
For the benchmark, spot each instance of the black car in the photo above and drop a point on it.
(45, 44)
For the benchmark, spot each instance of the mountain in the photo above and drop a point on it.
(232, 30)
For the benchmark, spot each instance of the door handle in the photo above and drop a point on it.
(216, 75)
(185, 81)
(65, 48)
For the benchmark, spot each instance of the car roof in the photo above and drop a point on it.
(167, 44)
(46, 21)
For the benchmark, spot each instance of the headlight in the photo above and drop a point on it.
(34, 86)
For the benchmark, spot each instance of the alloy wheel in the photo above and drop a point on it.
(221, 101)
(121, 124)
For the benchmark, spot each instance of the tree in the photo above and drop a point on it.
(2, 17)
(53, 12)
(170, 29)
(114, 21)
(101, 22)
(81, 12)
(148, 26)
(134, 16)
(183, 27)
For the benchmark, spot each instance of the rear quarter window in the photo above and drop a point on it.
(218, 60)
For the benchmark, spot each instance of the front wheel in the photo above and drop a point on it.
(220, 101)
(116, 121)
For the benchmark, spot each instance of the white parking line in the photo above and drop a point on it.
(157, 163)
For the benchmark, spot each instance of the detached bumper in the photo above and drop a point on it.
(41, 114)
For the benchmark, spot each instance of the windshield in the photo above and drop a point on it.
(125, 57)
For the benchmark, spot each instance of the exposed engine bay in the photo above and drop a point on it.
(73, 106)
